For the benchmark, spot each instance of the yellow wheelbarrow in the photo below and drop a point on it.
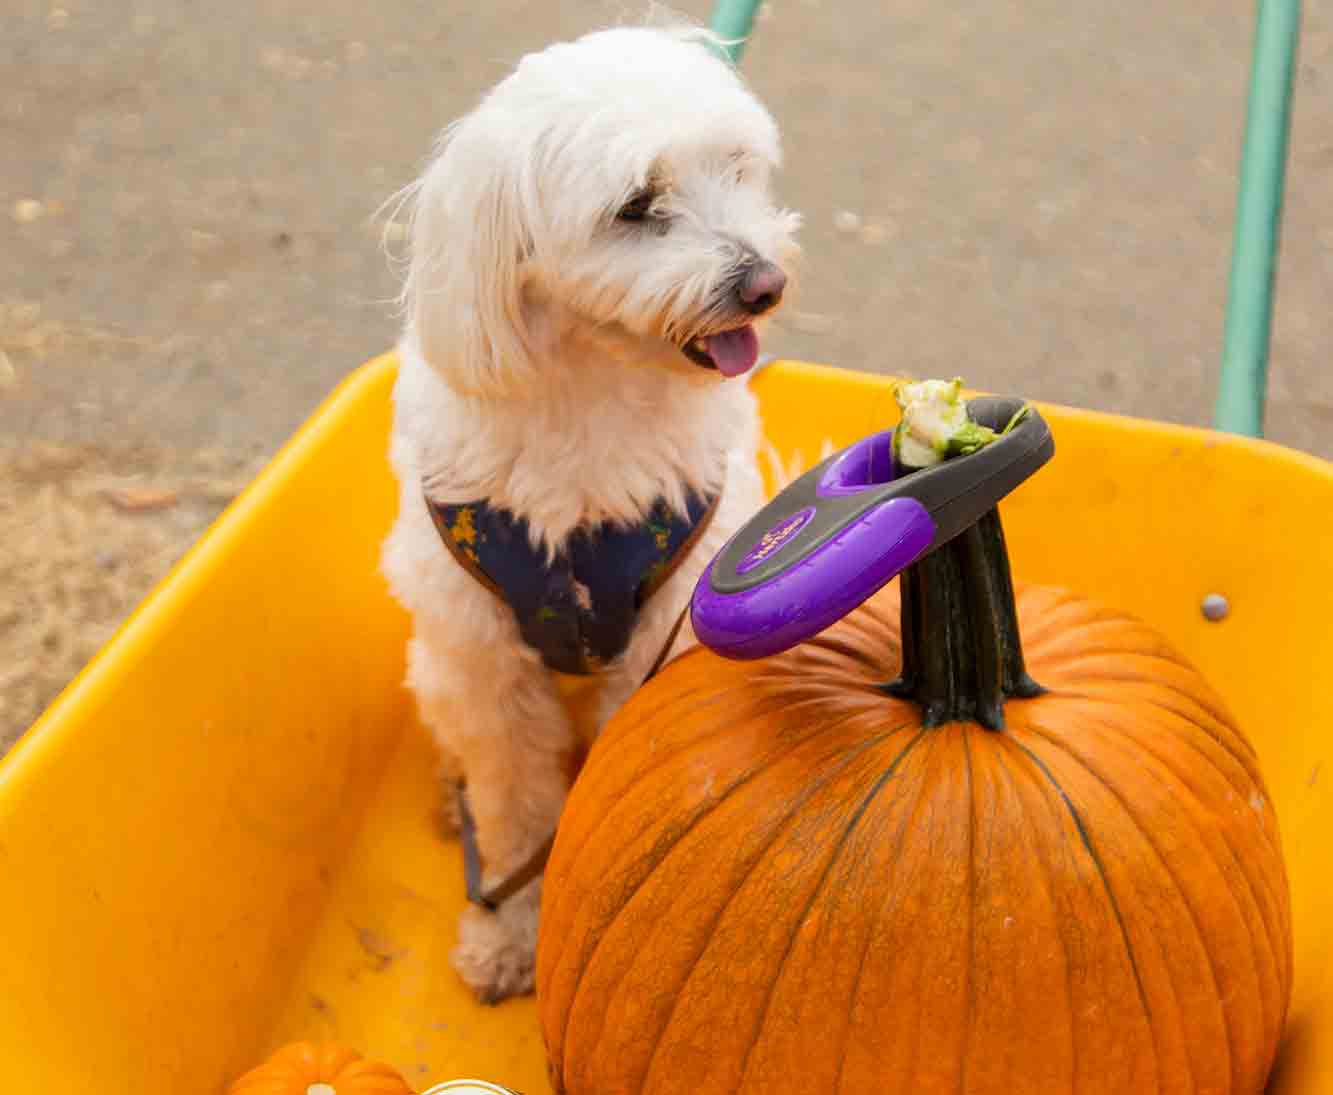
(221, 837)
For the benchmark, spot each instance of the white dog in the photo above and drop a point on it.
(591, 247)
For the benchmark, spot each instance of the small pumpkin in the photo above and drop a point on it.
(306, 1068)
(787, 875)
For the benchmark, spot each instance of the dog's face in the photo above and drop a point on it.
(611, 196)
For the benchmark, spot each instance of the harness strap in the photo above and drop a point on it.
(577, 607)
(535, 864)
(666, 646)
(456, 549)
(491, 899)
(659, 577)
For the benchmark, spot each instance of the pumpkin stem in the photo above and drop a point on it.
(962, 653)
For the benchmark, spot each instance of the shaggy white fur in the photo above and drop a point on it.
(590, 249)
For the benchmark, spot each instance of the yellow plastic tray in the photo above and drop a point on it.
(221, 837)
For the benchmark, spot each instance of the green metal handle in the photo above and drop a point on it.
(732, 21)
(1243, 384)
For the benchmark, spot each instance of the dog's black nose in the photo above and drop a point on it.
(761, 287)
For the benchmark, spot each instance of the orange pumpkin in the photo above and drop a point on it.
(784, 876)
(304, 1068)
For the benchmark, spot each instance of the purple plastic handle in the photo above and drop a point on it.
(866, 464)
(818, 591)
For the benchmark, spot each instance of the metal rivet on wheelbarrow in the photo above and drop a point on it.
(1215, 607)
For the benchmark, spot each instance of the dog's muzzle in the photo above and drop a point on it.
(759, 287)
(756, 288)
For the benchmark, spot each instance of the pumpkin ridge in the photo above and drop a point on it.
(1088, 663)
(583, 786)
(1077, 818)
(1216, 712)
(1218, 731)
(1055, 643)
(780, 827)
(758, 767)
(1271, 839)
(660, 857)
(647, 692)
(1188, 731)
(843, 648)
(1169, 873)
(1048, 619)
(1221, 728)
(722, 727)
(1256, 907)
(1062, 657)
(970, 1014)
(298, 1065)
(1265, 907)
(826, 675)
(1168, 980)
(881, 780)
(861, 639)
(778, 830)
(1147, 743)
(1009, 766)
(1033, 769)
(1181, 728)
(914, 1068)
(904, 827)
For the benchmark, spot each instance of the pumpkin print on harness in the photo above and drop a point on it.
(969, 838)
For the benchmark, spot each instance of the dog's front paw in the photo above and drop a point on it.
(496, 951)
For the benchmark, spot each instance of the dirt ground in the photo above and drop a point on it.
(1036, 196)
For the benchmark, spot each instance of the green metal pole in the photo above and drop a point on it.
(1243, 383)
(732, 20)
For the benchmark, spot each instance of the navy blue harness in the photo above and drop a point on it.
(579, 608)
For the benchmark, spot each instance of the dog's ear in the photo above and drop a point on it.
(469, 241)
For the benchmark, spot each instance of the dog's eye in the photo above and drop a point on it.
(638, 208)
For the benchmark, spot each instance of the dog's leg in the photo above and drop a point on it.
(497, 712)
(447, 813)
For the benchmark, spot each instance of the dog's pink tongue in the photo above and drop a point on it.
(734, 352)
